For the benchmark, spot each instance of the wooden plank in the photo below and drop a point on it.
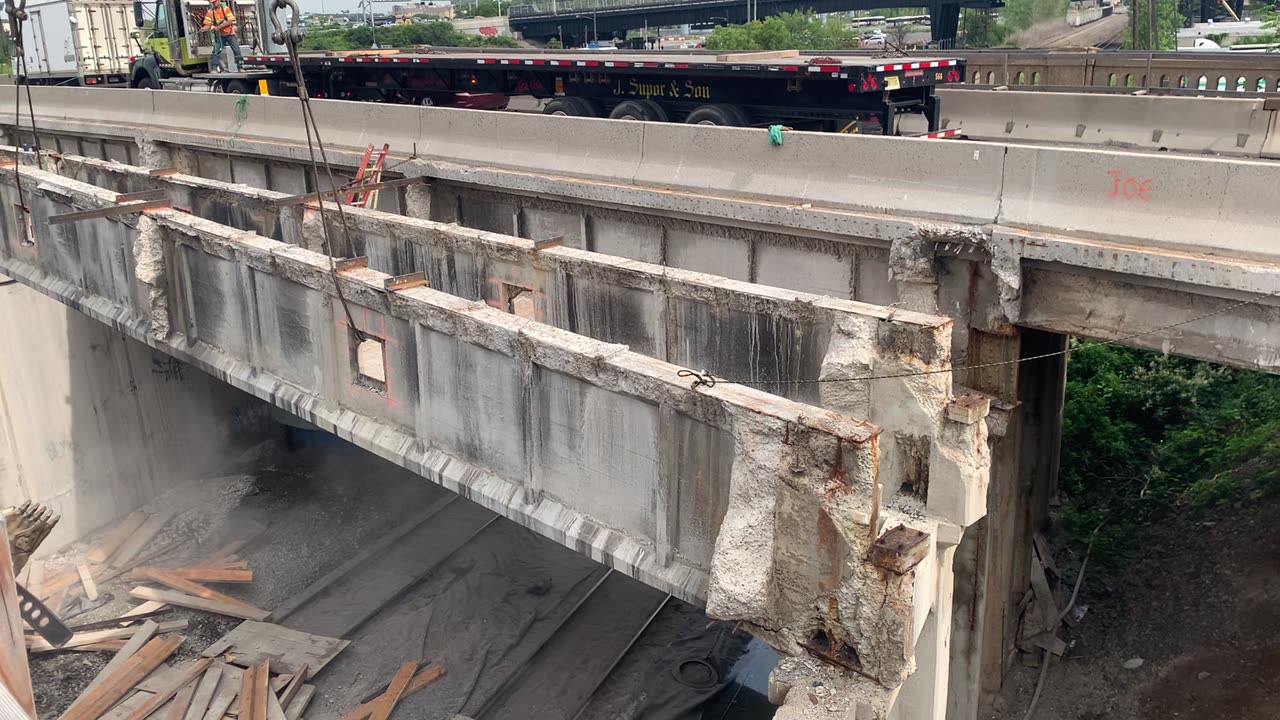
(15, 675)
(114, 687)
(195, 669)
(37, 644)
(108, 645)
(387, 702)
(424, 678)
(178, 708)
(203, 574)
(191, 588)
(228, 691)
(104, 212)
(204, 691)
(288, 650)
(140, 637)
(173, 597)
(115, 537)
(120, 622)
(296, 682)
(758, 55)
(146, 609)
(297, 706)
(86, 579)
(162, 172)
(274, 711)
(131, 703)
(253, 692)
(139, 539)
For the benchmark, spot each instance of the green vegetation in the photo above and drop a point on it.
(438, 32)
(787, 31)
(1021, 14)
(483, 8)
(554, 44)
(1146, 436)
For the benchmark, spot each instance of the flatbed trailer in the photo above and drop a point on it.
(840, 94)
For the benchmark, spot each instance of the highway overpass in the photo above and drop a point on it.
(572, 270)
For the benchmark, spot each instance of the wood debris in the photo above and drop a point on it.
(254, 691)
(114, 687)
(425, 677)
(289, 651)
(173, 597)
(38, 644)
(115, 537)
(86, 579)
(169, 691)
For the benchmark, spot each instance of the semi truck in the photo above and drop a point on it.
(76, 42)
(844, 94)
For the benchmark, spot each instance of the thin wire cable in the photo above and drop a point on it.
(709, 380)
(309, 125)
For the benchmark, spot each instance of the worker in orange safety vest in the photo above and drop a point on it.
(222, 20)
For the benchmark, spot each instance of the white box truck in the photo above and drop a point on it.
(77, 42)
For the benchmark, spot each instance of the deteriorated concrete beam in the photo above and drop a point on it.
(732, 329)
(587, 442)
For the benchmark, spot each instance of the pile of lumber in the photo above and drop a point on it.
(137, 684)
(73, 588)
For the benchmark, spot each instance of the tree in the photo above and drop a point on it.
(980, 29)
(785, 31)
(554, 44)
(1168, 19)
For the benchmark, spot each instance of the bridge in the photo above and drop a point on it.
(589, 19)
(540, 297)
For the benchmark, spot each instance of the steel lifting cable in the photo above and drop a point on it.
(290, 37)
(17, 13)
(706, 379)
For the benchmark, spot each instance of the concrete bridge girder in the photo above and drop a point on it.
(992, 248)
(213, 295)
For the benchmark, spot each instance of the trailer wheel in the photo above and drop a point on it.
(572, 106)
(241, 87)
(146, 82)
(726, 115)
(647, 110)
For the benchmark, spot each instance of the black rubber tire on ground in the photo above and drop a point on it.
(571, 106)
(240, 87)
(726, 115)
(646, 110)
(146, 82)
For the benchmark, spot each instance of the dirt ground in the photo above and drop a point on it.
(1202, 612)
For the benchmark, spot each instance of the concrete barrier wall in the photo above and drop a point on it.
(1225, 126)
(584, 441)
(810, 173)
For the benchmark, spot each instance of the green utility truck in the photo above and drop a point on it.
(173, 47)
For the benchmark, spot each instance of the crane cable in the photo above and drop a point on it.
(290, 39)
(17, 13)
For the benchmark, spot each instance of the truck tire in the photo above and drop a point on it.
(240, 87)
(145, 81)
(726, 115)
(572, 106)
(646, 110)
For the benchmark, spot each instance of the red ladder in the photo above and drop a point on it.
(367, 175)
